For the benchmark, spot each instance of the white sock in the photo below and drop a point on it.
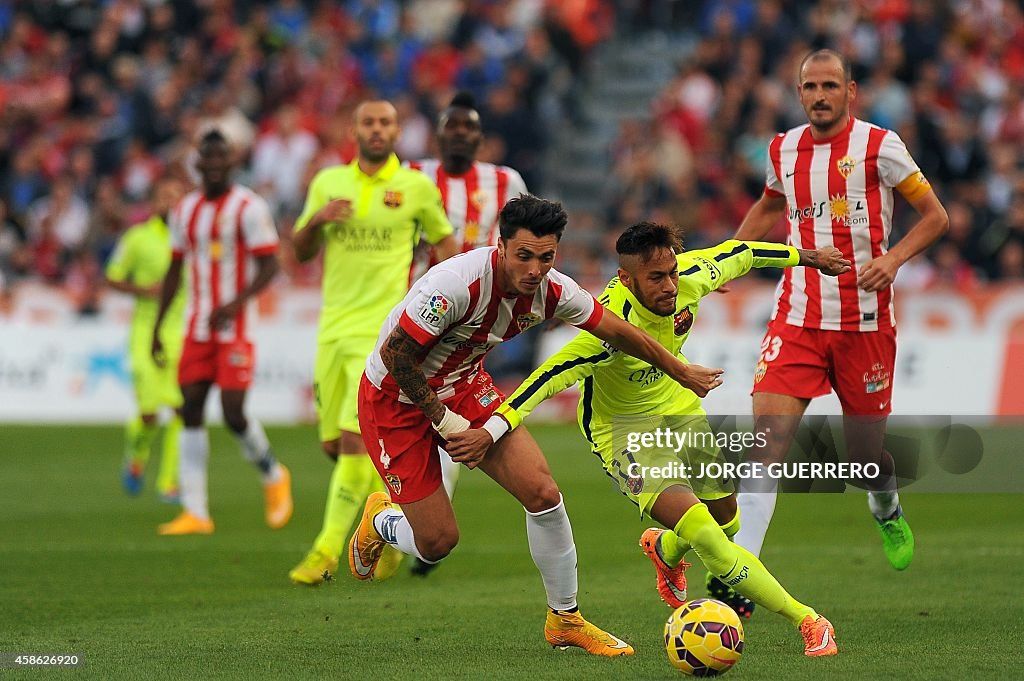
(395, 529)
(195, 450)
(554, 553)
(256, 450)
(883, 504)
(449, 473)
(756, 502)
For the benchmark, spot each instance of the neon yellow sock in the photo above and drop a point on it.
(733, 526)
(672, 547)
(167, 478)
(350, 485)
(138, 441)
(737, 567)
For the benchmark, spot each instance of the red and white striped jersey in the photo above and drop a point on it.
(839, 193)
(219, 240)
(472, 201)
(459, 312)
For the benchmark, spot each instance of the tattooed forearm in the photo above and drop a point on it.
(808, 257)
(401, 354)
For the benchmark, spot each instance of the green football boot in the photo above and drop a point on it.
(897, 539)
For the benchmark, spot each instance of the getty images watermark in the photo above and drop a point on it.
(755, 470)
(689, 439)
(925, 453)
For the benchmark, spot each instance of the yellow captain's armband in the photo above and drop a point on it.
(914, 187)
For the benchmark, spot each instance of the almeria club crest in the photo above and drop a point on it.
(845, 166)
(525, 321)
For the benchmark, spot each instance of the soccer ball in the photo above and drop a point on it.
(703, 637)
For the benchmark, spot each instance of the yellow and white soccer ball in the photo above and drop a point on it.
(704, 637)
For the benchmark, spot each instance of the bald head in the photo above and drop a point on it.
(376, 130)
(828, 56)
(375, 108)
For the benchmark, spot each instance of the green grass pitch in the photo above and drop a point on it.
(82, 570)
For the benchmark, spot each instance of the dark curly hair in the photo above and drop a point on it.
(526, 211)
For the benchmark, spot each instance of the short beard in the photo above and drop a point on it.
(825, 126)
(648, 307)
(374, 157)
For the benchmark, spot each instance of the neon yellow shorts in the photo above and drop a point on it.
(644, 467)
(154, 386)
(339, 365)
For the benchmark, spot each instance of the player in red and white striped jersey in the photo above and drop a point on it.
(834, 178)
(473, 193)
(468, 290)
(226, 243)
(224, 236)
(425, 383)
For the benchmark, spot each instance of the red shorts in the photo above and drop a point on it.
(808, 363)
(229, 365)
(403, 444)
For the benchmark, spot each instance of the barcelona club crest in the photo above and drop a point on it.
(845, 166)
(395, 483)
(684, 320)
(392, 199)
(635, 484)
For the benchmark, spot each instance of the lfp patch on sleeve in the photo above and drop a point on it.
(435, 309)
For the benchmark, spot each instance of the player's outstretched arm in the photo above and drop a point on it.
(761, 217)
(881, 272)
(172, 280)
(710, 269)
(635, 342)
(570, 365)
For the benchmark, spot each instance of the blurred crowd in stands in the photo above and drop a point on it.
(101, 97)
(947, 76)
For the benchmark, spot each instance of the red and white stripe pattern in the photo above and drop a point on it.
(838, 193)
(459, 312)
(472, 202)
(219, 239)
